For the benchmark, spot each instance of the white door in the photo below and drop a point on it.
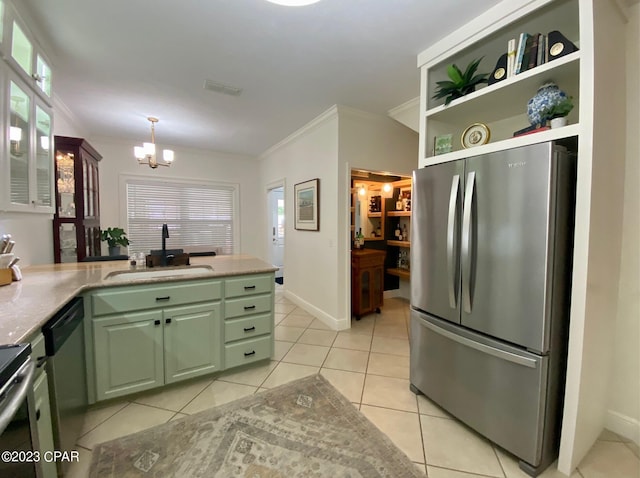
(275, 200)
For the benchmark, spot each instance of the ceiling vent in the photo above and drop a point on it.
(221, 88)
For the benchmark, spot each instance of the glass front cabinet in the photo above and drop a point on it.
(27, 119)
(76, 222)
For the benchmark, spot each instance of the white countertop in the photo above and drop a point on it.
(26, 305)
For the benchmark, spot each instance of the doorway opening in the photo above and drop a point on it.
(380, 239)
(276, 222)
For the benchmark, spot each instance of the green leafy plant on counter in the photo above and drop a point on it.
(461, 83)
(115, 236)
(559, 110)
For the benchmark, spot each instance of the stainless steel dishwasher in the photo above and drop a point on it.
(64, 343)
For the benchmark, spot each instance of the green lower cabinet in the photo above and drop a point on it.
(247, 351)
(128, 353)
(45, 430)
(143, 337)
(192, 337)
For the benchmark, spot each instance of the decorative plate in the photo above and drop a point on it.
(475, 135)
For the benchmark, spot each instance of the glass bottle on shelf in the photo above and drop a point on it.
(398, 232)
(405, 235)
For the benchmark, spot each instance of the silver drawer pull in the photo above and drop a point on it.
(248, 354)
(249, 329)
(249, 307)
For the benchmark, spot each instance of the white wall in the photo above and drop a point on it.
(33, 234)
(310, 258)
(118, 159)
(624, 409)
(374, 143)
(317, 264)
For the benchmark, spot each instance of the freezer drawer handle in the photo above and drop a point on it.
(501, 354)
(451, 231)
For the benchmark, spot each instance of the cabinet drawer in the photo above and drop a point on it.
(248, 285)
(248, 305)
(110, 301)
(247, 351)
(38, 349)
(247, 327)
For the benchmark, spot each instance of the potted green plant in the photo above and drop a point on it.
(557, 113)
(461, 83)
(115, 237)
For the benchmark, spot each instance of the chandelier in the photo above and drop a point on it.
(146, 154)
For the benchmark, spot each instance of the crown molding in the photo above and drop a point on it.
(311, 125)
(407, 105)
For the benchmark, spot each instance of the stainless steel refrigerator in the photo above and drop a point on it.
(491, 248)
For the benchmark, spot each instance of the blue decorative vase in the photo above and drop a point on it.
(548, 95)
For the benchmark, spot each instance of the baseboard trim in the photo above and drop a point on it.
(623, 425)
(328, 320)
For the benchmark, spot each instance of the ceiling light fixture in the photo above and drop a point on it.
(293, 3)
(146, 154)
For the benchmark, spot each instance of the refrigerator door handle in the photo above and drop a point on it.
(466, 241)
(451, 229)
(501, 354)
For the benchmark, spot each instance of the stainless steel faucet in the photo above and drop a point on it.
(165, 236)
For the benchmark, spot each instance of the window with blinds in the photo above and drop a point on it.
(196, 214)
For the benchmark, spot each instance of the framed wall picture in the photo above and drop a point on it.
(307, 206)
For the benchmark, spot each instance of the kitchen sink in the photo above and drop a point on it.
(152, 273)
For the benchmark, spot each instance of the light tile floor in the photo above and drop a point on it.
(368, 364)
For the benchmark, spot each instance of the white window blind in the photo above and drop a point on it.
(196, 214)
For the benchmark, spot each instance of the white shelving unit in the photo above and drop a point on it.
(594, 77)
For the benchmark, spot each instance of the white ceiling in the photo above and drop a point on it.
(118, 61)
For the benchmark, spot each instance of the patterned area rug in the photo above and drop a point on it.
(305, 428)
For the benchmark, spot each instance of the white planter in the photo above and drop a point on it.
(558, 122)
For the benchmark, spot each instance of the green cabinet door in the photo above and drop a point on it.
(45, 430)
(128, 353)
(192, 341)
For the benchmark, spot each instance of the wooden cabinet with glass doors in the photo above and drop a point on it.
(76, 223)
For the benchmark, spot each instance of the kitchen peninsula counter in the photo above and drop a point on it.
(26, 305)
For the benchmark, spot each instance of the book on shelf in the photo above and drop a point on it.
(511, 57)
(535, 128)
(542, 46)
(533, 51)
(522, 45)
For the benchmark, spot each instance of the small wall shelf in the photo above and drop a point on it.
(399, 213)
(406, 244)
(402, 273)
